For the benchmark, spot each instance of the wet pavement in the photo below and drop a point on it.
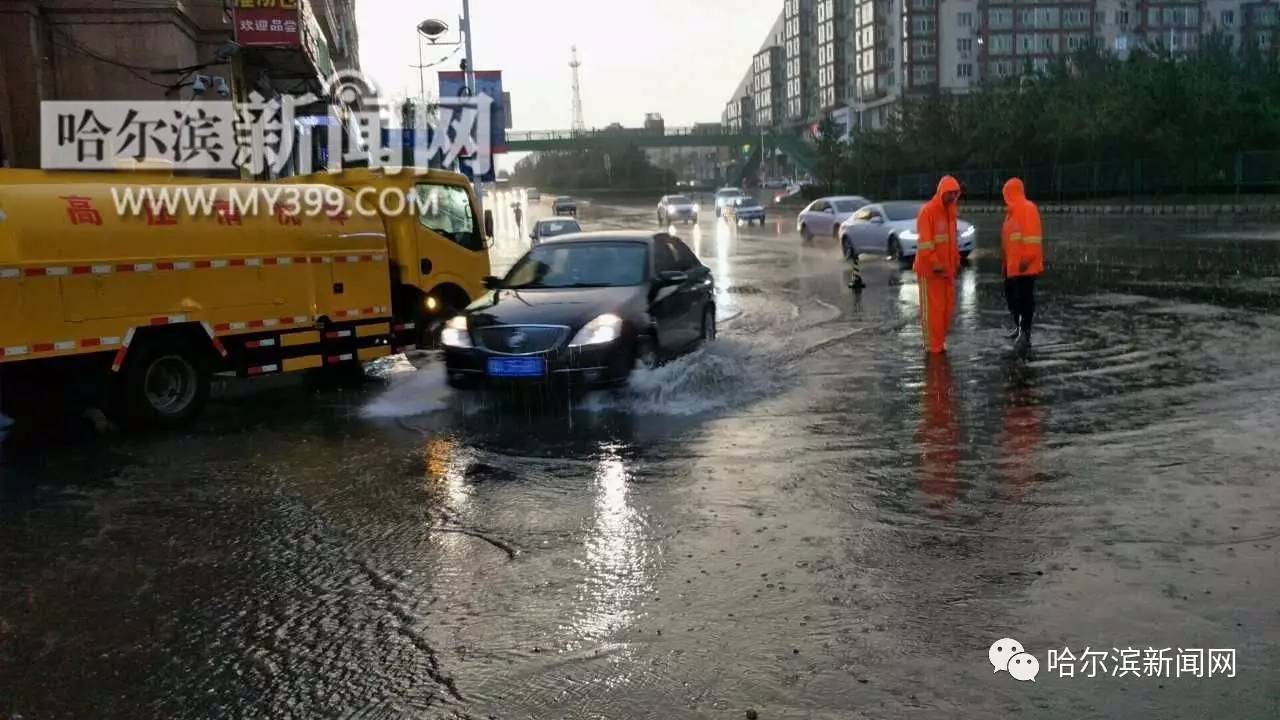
(805, 520)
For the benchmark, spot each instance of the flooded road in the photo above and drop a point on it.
(806, 519)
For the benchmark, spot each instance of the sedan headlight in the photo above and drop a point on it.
(455, 334)
(604, 329)
(969, 231)
(697, 208)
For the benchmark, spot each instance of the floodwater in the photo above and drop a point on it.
(807, 519)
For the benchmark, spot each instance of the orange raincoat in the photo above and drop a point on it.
(937, 262)
(1021, 237)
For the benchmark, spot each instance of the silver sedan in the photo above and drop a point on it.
(890, 229)
(824, 215)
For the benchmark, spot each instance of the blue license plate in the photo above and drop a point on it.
(518, 367)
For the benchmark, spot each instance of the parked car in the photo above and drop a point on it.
(824, 215)
(677, 208)
(724, 196)
(745, 209)
(533, 195)
(890, 229)
(551, 227)
(565, 206)
(583, 309)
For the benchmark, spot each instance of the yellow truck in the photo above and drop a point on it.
(155, 296)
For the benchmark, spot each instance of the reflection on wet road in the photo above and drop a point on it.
(808, 518)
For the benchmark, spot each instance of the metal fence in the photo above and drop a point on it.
(1244, 172)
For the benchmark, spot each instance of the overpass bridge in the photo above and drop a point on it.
(603, 138)
(748, 142)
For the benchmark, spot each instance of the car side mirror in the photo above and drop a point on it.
(672, 277)
(829, 211)
(491, 283)
(488, 223)
(877, 219)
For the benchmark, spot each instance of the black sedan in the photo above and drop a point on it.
(584, 308)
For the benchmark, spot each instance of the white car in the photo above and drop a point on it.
(725, 196)
(551, 227)
(823, 216)
(533, 195)
(890, 229)
(677, 208)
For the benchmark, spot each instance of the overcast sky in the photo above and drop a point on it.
(681, 58)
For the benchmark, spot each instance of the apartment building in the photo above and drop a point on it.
(798, 48)
(768, 87)
(864, 55)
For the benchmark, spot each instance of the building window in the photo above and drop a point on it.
(1000, 19)
(1002, 44)
(889, 80)
(1122, 43)
(964, 19)
(1077, 42)
(1027, 18)
(924, 4)
(1076, 18)
(964, 70)
(1047, 18)
(965, 46)
(923, 49)
(1026, 44)
(1122, 18)
(1228, 18)
(923, 25)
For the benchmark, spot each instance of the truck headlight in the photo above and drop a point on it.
(455, 333)
(604, 329)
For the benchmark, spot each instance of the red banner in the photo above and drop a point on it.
(267, 23)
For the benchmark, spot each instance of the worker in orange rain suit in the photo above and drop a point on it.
(938, 437)
(1022, 242)
(937, 262)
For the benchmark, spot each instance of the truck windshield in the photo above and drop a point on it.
(446, 211)
(574, 264)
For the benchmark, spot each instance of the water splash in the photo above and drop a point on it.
(410, 391)
(713, 377)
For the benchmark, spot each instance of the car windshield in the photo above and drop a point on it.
(679, 200)
(580, 264)
(746, 201)
(902, 210)
(552, 228)
(846, 206)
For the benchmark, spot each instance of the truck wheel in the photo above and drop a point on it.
(166, 383)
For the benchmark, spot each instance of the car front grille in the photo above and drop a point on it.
(521, 339)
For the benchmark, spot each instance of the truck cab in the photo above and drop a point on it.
(438, 241)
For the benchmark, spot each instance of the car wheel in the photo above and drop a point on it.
(835, 234)
(895, 254)
(709, 324)
(646, 352)
(847, 247)
(805, 234)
